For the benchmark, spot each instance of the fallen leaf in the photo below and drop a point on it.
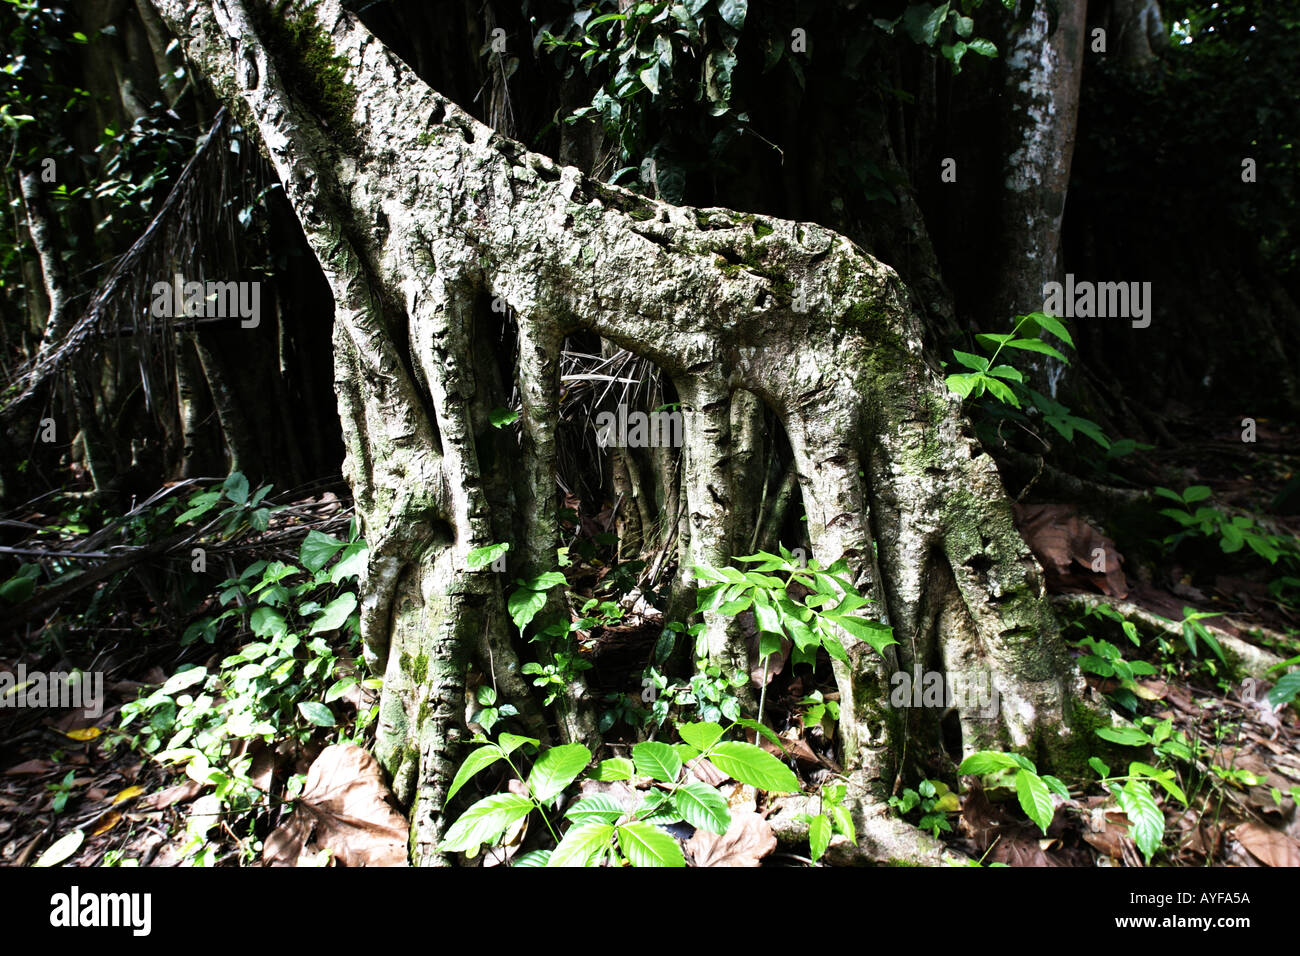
(62, 849)
(180, 793)
(1271, 847)
(29, 767)
(345, 805)
(106, 823)
(1069, 549)
(83, 733)
(746, 842)
(127, 794)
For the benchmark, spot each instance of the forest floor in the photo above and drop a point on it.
(84, 791)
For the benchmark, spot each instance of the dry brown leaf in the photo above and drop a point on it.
(1271, 847)
(1068, 548)
(347, 803)
(29, 767)
(746, 842)
(106, 823)
(181, 793)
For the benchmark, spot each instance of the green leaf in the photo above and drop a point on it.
(701, 736)
(616, 768)
(982, 47)
(351, 563)
(986, 761)
(317, 550)
(583, 845)
(339, 688)
(480, 759)
(962, 383)
(754, 766)
(317, 713)
(1196, 493)
(819, 836)
(599, 808)
(1146, 822)
(1050, 323)
(335, 614)
(657, 760)
(1286, 689)
(646, 845)
(509, 743)
(485, 821)
(533, 858)
(501, 417)
(1097, 764)
(1035, 798)
(482, 557)
(1128, 736)
(1037, 345)
(236, 487)
(555, 769)
(767, 732)
(523, 604)
(702, 807)
(733, 12)
(977, 362)
(878, 635)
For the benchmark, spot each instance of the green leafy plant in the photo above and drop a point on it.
(934, 801)
(1105, 660)
(62, 790)
(278, 687)
(1033, 790)
(597, 829)
(1146, 821)
(834, 818)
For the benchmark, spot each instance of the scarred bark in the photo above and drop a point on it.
(421, 216)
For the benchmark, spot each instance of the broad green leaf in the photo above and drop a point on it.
(1146, 822)
(1036, 345)
(512, 742)
(702, 807)
(646, 845)
(335, 614)
(480, 759)
(582, 845)
(878, 635)
(1128, 736)
(754, 766)
(267, 622)
(701, 736)
(819, 836)
(1286, 689)
(767, 732)
(351, 563)
(599, 807)
(1035, 798)
(183, 679)
(317, 550)
(555, 769)
(977, 363)
(657, 760)
(1050, 323)
(317, 713)
(616, 768)
(485, 821)
(533, 858)
(236, 488)
(1097, 764)
(1196, 493)
(339, 688)
(987, 761)
(523, 604)
(482, 557)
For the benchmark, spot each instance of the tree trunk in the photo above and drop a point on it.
(421, 217)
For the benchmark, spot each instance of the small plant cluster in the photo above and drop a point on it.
(597, 829)
(1011, 396)
(281, 686)
(1199, 520)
